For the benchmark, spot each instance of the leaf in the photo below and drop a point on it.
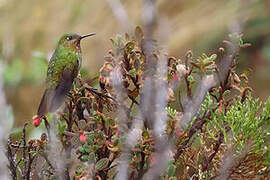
(171, 161)
(129, 47)
(137, 64)
(102, 164)
(113, 42)
(82, 124)
(83, 99)
(114, 149)
(61, 127)
(90, 139)
(79, 170)
(132, 72)
(84, 158)
(204, 56)
(190, 79)
(119, 40)
(171, 170)
(195, 65)
(91, 158)
(75, 141)
(138, 34)
(81, 149)
(127, 37)
(87, 148)
(213, 57)
(207, 63)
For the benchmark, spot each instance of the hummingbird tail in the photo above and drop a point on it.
(45, 103)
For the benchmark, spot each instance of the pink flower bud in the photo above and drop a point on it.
(178, 132)
(82, 137)
(36, 121)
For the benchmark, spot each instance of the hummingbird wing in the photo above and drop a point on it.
(53, 98)
(62, 89)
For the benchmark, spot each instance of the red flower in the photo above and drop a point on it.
(178, 132)
(175, 77)
(82, 136)
(36, 121)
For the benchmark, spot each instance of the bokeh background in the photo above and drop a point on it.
(29, 31)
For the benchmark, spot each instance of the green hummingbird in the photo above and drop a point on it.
(63, 67)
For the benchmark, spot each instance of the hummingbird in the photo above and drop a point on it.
(63, 67)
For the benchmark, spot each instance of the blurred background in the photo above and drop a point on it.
(29, 31)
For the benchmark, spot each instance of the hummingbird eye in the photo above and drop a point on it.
(69, 38)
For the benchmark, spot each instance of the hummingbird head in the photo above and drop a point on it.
(72, 40)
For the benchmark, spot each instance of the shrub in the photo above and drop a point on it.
(154, 116)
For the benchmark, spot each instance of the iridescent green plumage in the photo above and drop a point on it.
(62, 57)
(62, 69)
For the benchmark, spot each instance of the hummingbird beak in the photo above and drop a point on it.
(87, 35)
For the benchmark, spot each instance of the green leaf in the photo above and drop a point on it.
(171, 161)
(102, 164)
(92, 158)
(83, 99)
(82, 124)
(79, 170)
(95, 148)
(113, 43)
(190, 79)
(171, 170)
(81, 149)
(84, 158)
(61, 127)
(87, 148)
(129, 47)
(132, 72)
(213, 57)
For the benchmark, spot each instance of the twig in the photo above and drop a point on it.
(45, 156)
(141, 170)
(99, 94)
(24, 152)
(30, 161)
(12, 167)
(215, 150)
(194, 128)
(187, 74)
(47, 125)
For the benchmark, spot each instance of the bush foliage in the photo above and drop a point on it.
(211, 130)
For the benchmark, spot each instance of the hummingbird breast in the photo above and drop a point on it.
(61, 59)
